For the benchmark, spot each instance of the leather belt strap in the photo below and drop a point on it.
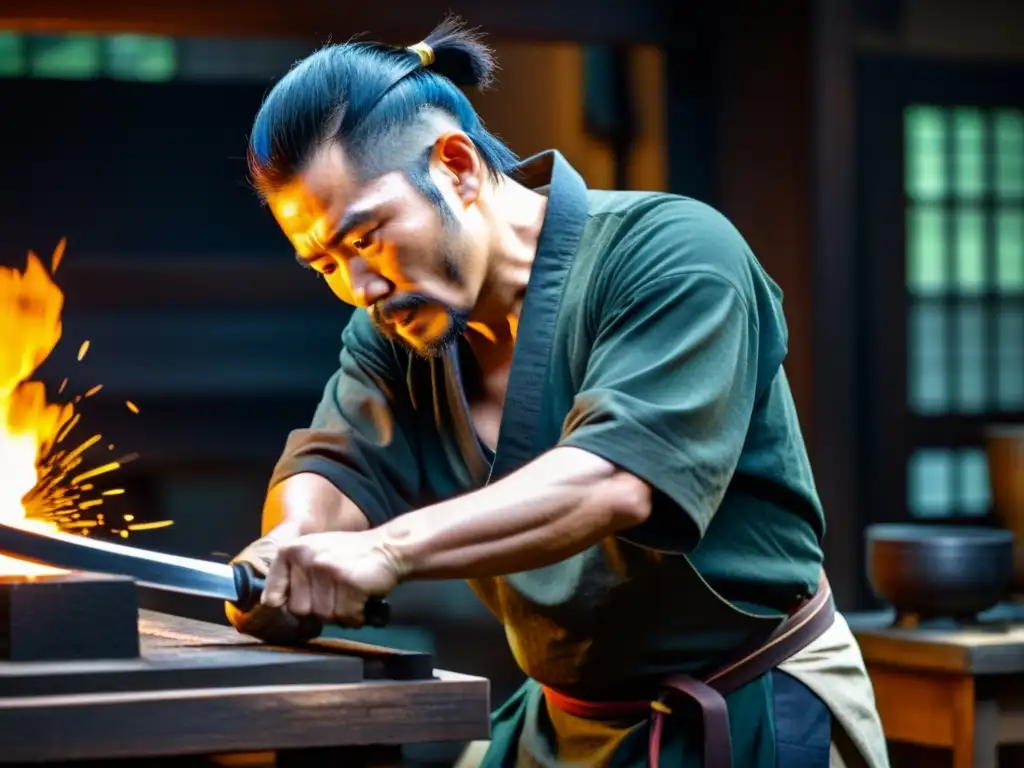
(798, 630)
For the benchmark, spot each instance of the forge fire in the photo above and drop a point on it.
(52, 477)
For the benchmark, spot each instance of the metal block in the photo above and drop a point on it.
(68, 616)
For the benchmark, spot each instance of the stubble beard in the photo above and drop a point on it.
(457, 324)
(458, 319)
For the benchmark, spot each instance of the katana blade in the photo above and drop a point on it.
(237, 583)
(154, 569)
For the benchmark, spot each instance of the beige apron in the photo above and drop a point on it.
(832, 667)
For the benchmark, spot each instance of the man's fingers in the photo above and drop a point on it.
(348, 608)
(300, 593)
(323, 594)
(275, 592)
(316, 577)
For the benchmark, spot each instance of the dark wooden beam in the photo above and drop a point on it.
(957, 429)
(590, 21)
(691, 130)
(834, 437)
(762, 107)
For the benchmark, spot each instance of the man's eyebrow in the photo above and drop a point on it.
(351, 220)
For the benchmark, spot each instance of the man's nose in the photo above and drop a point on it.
(368, 286)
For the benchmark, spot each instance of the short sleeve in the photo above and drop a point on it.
(670, 385)
(360, 438)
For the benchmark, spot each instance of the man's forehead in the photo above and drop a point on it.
(324, 190)
(330, 172)
(331, 186)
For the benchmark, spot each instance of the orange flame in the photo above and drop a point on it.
(30, 327)
(43, 483)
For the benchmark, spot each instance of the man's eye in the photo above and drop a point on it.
(364, 242)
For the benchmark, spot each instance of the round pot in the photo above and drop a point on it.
(933, 571)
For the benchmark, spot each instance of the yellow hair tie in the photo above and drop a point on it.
(425, 52)
(658, 706)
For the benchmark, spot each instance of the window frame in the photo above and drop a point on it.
(891, 432)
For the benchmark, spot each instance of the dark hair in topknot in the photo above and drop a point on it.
(372, 98)
(460, 55)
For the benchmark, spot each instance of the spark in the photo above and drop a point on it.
(67, 428)
(131, 406)
(77, 452)
(93, 391)
(58, 254)
(150, 526)
(83, 349)
(102, 469)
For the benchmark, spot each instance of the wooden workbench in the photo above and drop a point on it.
(957, 688)
(241, 719)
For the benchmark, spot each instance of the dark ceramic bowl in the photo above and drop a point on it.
(933, 571)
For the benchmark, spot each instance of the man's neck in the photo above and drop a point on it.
(517, 216)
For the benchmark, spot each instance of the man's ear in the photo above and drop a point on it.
(456, 157)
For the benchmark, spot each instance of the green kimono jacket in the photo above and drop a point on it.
(650, 336)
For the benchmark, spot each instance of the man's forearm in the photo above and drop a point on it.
(308, 503)
(556, 506)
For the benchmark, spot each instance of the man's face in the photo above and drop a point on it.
(380, 244)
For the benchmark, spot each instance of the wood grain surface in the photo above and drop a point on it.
(994, 646)
(212, 720)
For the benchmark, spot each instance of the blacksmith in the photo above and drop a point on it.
(573, 399)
